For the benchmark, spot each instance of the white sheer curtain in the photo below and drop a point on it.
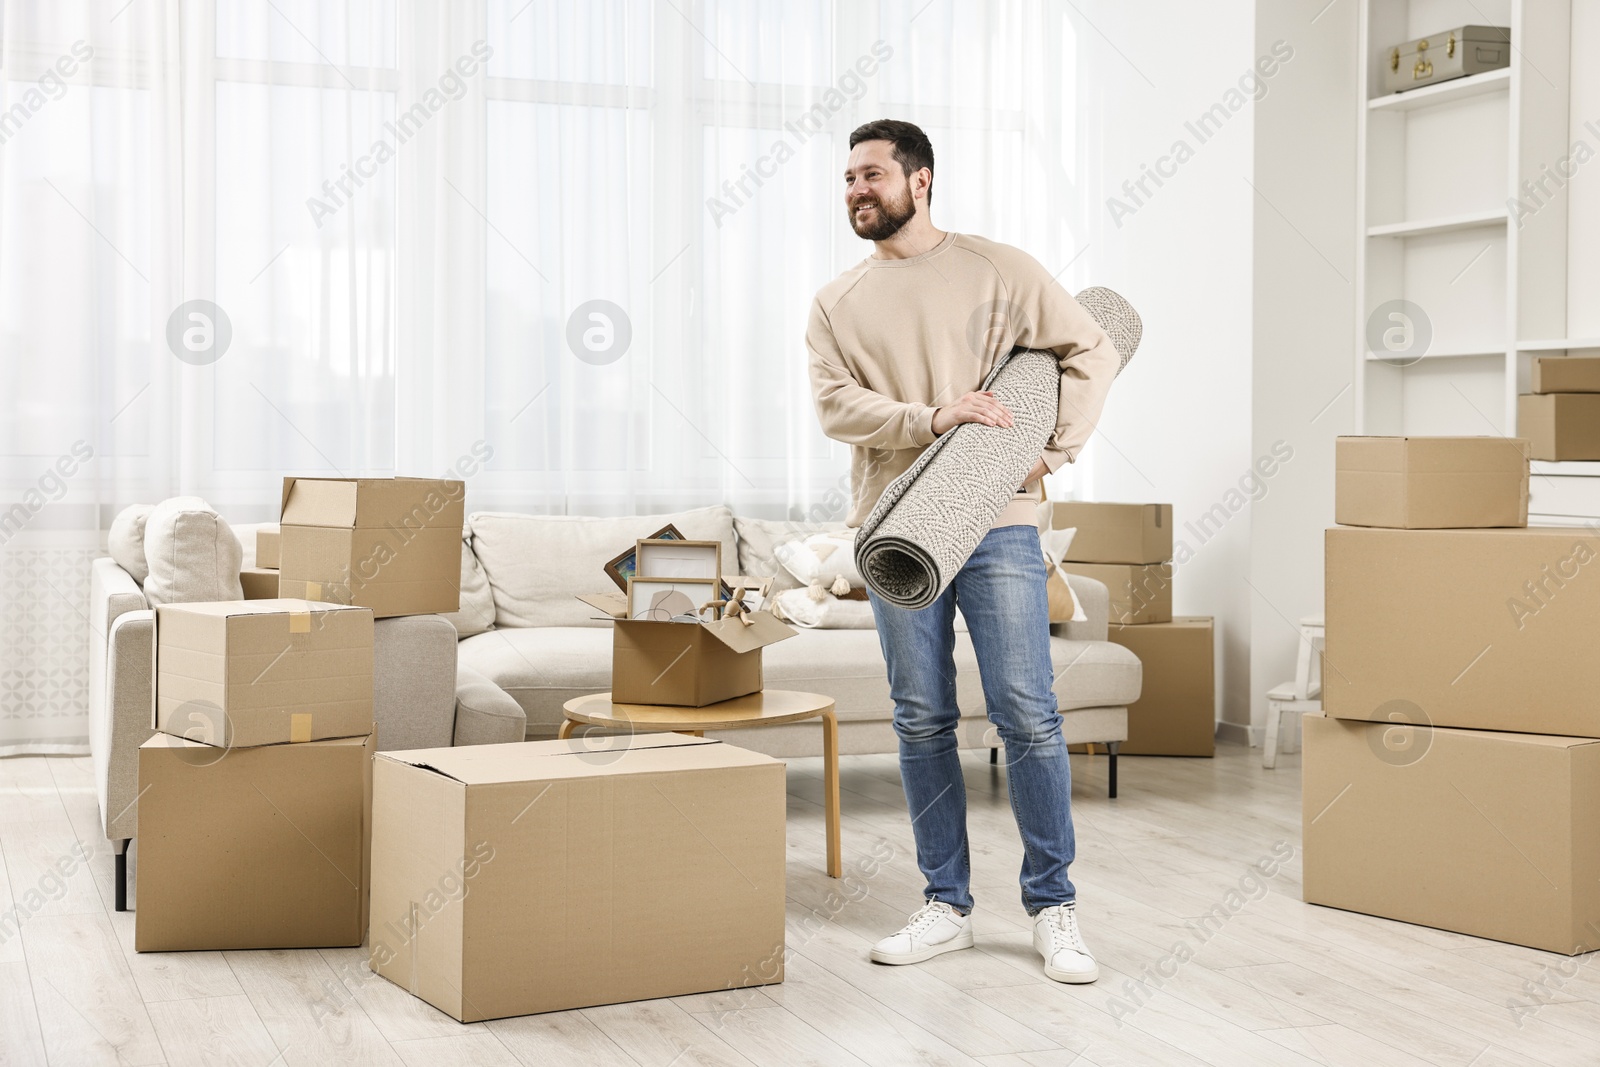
(578, 236)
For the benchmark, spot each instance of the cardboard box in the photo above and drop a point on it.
(389, 544)
(1175, 714)
(267, 545)
(252, 847)
(1477, 629)
(541, 876)
(1560, 425)
(1413, 483)
(685, 664)
(1566, 374)
(1491, 834)
(1115, 533)
(263, 672)
(1139, 594)
(259, 583)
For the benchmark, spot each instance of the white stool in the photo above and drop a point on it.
(1299, 696)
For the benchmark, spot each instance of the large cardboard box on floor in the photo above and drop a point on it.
(1175, 714)
(541, 876)
(1566, 374)
(245, 848)
(1560, 426)
(262, 672)
(1115, 533)
(1139, 594)
(389, 544)
(685, 664)
(1485, 833)
(1415, 483)
(1477, 629)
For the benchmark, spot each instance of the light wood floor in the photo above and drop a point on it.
(1280, 983)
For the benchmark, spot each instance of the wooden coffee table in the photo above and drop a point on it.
(770, 707)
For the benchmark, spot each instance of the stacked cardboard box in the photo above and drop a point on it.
(254, 794)
(685, 634)
(261, 581)
(1454, 778)
(389, 544)
(1561, 416)
(1129, 548)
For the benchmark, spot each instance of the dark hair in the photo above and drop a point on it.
(912, 149)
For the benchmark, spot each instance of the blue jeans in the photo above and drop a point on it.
(1001, 592)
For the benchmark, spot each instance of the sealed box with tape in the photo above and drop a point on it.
(262, 672)
(389, 544)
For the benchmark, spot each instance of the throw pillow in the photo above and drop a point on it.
(477, 602)
(125, 542)
(192, 554)
(758, 546)
(824, 561)
(538, 564)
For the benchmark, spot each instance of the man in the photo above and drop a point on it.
(899, 345)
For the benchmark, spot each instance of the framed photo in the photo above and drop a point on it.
(621, 569)
(669, 599)
(671, 557)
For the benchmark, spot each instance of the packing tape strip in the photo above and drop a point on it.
(299, 622)
(313, 590)
(300, 726)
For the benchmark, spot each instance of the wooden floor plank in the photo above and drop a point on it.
(211, 1032)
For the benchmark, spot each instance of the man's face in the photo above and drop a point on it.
(877, 192)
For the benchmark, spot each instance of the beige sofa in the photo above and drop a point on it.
(522, 573)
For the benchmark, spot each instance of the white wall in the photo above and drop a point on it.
(1304, 255)
(1177, 428)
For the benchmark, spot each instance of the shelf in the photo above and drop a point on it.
(1492, 81)
(1441, 225)
(1559, 344)
(1441, 353)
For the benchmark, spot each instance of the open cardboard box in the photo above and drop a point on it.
(685, 664)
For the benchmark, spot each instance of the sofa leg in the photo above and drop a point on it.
(994, 757)
(1111, 752)
(122, 874)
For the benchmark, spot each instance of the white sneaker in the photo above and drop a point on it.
(1060, 942)
(936, 927)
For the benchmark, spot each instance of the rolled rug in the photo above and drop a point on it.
(929, 520)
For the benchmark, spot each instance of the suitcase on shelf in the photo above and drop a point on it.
(1444, 56)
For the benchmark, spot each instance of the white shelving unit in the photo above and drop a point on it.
(1440, 168)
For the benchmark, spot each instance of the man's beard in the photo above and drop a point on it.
(889, 217)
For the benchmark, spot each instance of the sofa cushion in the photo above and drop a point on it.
(476, 614)
(192, 554)
(543, 667)
(538, 564)
(758, 546)
(125, 542)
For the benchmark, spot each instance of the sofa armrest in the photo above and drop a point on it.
(413, 687)
(122, 720)
(1096, 601)
(485, 713)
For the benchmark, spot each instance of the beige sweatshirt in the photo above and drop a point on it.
(893, 339)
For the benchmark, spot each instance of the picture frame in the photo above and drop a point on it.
(643, 591)
(672, 557)
(620, 569)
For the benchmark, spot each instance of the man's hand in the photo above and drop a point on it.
(974, 407)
